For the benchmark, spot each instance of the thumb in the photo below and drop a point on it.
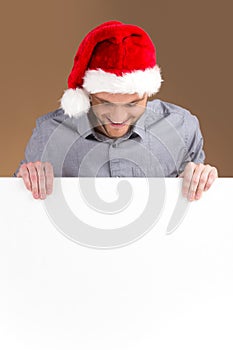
(181, 174)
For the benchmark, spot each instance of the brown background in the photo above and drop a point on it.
(194, 50)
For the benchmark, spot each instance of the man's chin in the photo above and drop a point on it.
(118, 131)
(113, 132)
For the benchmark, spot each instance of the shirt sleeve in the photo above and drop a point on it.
(33, 150)
(194, 142)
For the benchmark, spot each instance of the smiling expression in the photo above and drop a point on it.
(115, 113)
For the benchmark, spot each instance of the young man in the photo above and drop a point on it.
(107, 127)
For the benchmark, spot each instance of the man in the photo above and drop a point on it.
(107, 127)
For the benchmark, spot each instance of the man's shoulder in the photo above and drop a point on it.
(175, 114)
(166, 108)
(50, 121)
(57, 115)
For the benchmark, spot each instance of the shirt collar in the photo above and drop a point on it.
(84, 126)
(139, 126)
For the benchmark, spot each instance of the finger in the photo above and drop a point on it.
(24, 173)
(41, 179)
(49, 175)
(202, 181)
(195, 181)
(211, 177)
(34, 180)
(188, 173)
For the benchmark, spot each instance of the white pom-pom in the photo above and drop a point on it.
(75, 102)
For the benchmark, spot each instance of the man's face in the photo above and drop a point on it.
(115, 113)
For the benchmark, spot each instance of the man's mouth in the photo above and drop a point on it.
(117, 124)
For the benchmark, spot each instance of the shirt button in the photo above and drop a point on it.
(114, 145)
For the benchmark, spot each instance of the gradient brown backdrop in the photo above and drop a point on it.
(194, 50)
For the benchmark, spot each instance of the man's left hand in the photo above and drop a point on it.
(197, 178)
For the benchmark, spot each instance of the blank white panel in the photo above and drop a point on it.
(160, 292)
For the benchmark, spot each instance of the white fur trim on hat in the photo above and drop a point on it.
(139, 81)
(75, 102)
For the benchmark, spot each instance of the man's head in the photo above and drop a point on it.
(115, 113)
(114, 58)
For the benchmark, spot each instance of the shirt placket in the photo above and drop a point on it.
(114, 161)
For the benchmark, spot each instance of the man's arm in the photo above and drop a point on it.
(197, 176)
(37, 176)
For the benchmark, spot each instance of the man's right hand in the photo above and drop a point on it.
(38, 178)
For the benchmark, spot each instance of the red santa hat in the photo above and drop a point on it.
(116, 58)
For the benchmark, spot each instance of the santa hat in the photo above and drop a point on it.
(116, 58)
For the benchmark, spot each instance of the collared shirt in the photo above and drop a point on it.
(161, 142)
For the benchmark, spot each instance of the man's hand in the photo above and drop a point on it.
(38, 178)
(197, 178)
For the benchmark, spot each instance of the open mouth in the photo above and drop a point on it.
(117, 124)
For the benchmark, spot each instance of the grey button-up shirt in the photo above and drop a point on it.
(162, 141)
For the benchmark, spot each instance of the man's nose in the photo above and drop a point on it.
(118, 114)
